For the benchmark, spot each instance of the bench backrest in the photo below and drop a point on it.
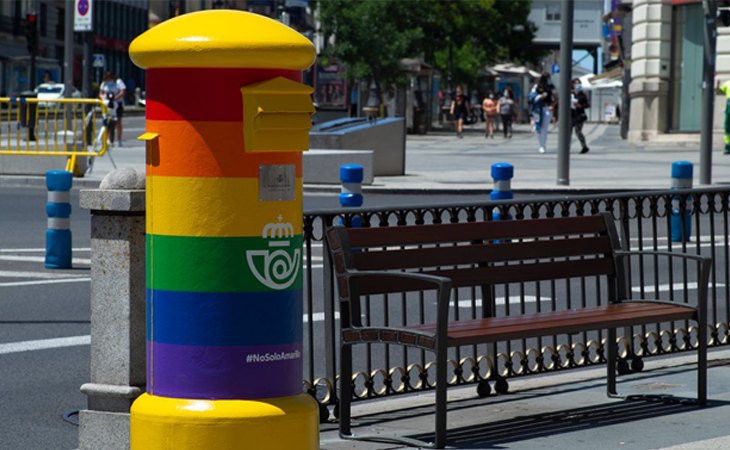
(477, 253)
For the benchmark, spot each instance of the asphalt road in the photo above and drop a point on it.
(44, 318)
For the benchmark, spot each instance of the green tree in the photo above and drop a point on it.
(458, 37)
(371, 37)
(461, 37)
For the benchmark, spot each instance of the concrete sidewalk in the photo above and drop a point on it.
(566, 411)
(440, 163)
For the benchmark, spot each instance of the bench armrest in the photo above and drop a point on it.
(703, 278)
(441, 284)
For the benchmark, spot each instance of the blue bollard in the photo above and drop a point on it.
(58, 210)
(681, 223)
(502, 174)
(351, 176)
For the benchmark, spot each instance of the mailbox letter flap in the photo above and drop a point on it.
(276, 116)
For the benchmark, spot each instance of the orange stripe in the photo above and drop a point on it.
(207, 149)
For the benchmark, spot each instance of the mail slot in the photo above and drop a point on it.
(276, 115)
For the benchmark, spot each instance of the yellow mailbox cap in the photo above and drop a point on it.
(222, 39)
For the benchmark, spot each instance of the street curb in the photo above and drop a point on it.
(40, 181)
(314, 188)
(92, 183)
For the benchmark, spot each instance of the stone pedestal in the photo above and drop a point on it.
(117, 309)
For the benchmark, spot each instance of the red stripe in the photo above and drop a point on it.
(203, 94)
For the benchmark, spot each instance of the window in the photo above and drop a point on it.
(60, 25)
(552, 12)
(43, 20)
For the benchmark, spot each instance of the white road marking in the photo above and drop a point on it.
(500, 300)
(318, 316)
(43, 275)
(40, 259)
(675, 287)
(39, 282)
(719, 238)
(37, 250)
(44, 344)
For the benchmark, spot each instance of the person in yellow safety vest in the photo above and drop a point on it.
(725, 89)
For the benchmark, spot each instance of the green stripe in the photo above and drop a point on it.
(210, 264)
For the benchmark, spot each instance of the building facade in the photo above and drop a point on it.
(666, 70)
(115, 24)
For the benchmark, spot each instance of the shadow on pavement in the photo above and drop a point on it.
(504, 421)
(490, 435)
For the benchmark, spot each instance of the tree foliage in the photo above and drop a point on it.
(371, 36)
(458, 37)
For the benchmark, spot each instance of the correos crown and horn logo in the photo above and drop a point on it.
(278, 266)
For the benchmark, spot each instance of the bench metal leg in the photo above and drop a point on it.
(441, 365)
(345, 403)
(345, 389)
(702, 362)
(611, 363)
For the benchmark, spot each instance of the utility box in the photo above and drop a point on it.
(385, 137)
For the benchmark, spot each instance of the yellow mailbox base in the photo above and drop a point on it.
(186, 424)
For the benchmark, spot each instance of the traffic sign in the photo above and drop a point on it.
(99, 60)
(82, 15)
(555, 69)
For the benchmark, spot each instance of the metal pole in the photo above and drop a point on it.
(708, 91)
(566, 73)
(86, 78)
(68, 49)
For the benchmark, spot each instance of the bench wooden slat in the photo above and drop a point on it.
(466, 332)
(552, 315)
(392, 259)
(479, 276)
(465, 232)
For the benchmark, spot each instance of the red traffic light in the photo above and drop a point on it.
(31, 18)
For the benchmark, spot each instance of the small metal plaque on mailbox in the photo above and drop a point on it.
(277, 182)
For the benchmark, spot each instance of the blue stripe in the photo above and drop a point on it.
(351, 173)
(351, 200)
(58, 209)
(224, 318)
(500, 195)
(59, 180)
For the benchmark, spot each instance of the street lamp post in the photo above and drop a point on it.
(566, 72)
(708, 90)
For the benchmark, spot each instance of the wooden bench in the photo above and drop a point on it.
(386, 260)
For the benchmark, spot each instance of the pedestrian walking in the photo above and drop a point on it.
(460, 110)
(542, 101)
(725, 89)
(506, 106)
(578, 105)
(112, 91)
(489, 106)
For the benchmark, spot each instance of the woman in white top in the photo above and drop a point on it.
(112, 91)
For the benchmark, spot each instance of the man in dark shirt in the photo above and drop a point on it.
(578, 105)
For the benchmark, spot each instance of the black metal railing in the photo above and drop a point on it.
(692, 221)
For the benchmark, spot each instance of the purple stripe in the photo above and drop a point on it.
(216, 373)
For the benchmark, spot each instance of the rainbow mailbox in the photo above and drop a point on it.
(227, 122)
